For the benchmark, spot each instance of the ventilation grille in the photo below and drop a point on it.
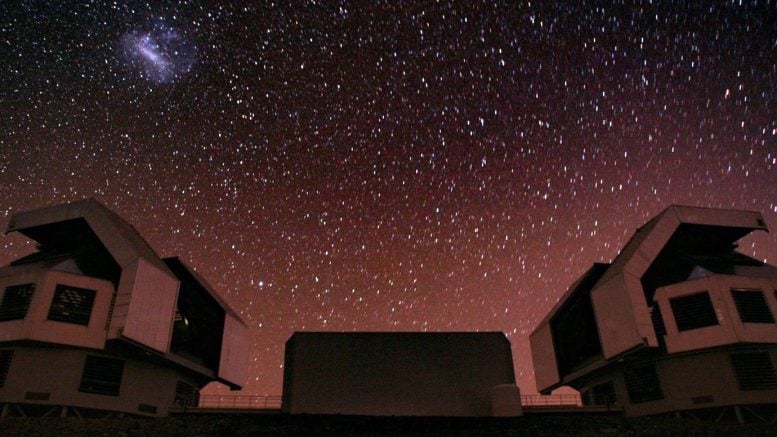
(16, 301)
(752, 306)
(146, 408)
(698, 400)
(602, 394)
(109, 319)
(658, 320)
(693, 312)
(5, 364)
(186, 395)
(37, 396)
(754, 371)
(642, 384)
(72, 305)
(102, 376)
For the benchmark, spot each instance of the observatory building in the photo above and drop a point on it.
(400, 374)
(95, 323)
(679, 322)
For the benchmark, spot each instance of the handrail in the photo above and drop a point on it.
(273, 402)
(572, 400)
(267, 402)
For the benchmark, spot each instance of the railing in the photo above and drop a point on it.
(240, 402)
(274, 402)
(571, 400)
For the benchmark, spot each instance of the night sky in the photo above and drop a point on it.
(392, 165)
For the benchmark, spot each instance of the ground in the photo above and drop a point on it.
(283, 425)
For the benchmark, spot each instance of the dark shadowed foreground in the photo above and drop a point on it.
(280, 425)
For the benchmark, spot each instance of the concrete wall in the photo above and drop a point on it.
(411, 374)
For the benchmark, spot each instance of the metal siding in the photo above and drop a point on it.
(615, 317)
(408, 374)
(234, 351)
(720, 217)
(544, 357)
(150, 314)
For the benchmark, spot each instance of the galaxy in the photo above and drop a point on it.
(161, 55)
(389, 165)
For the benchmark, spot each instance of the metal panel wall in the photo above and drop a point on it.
(401, 374)
(544, 357)
(149, 319)
(234, 351)
(615, 317)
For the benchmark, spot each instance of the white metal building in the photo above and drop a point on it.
(679, 322)
(95, 322)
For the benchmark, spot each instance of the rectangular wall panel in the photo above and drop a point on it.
(149, 318)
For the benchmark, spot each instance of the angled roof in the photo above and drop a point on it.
(123, 242)
(727, 224)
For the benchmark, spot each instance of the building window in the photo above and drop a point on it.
(186, 395)
(72, 305)
(642, 384)
(754, 371)
(693, 311)
(101, 376)
(16, 301)
(5, 364)
(752, 306)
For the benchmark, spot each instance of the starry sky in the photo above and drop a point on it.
(389, 165)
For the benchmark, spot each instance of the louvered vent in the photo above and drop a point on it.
(658, 320)
(754, 371)
(642, 384)
(102, 376)
(186, 395)
(602, 394)
(16, 301)
(147, 408)
(72, 305)
(5, 364)
(752, 306)
(693, 311)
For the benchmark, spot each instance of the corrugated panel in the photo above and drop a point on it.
(234, 351)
